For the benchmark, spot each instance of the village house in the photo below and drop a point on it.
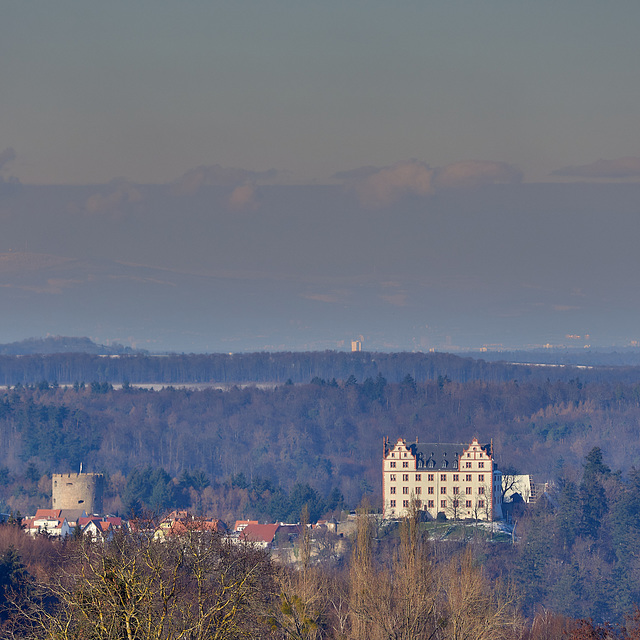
(49, 522)
(179, 523)
(458, 480)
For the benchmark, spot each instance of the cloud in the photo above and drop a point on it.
(243, 197)
(7, 156)
(331, 297)
(379, 187)
(396, 299)
(620, 168)
(121, 194)
(386, 185)
(474, 173)
(216, 175)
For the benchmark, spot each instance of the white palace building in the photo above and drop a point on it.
(459, 480)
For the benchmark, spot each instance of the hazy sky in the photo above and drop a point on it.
(272, 175)
(150, 89)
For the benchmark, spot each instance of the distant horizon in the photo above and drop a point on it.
(212, 178)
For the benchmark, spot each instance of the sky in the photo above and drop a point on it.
(230, 176)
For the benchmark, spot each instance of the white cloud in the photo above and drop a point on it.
(122, 193)
(243, 197)
(389, 184)
(379, 187)
(7, 156)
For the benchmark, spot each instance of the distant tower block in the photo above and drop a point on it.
(77, 491)
(356, 345)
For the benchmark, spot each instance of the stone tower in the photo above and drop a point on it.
(77, 491)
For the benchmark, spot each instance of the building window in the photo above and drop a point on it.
(481, 490)
(405, 477)
(418, 504)
(418, 490)
(468, 455)
(481, 503)
(455, 504)
(405, 503)
(418, 477)
(392, 503)
(392, 465)
(443, 477)
(443, 504)
(468, 503)
(468, 490)
(443, 490)
(455, 490)
(392, 490)
(392, 477)
(480, 465)
(405, 465)
(481, 477)
(405, 490)
(430, 491)
(456, 477)
(468, 477)
(430, 477)
(430, 504)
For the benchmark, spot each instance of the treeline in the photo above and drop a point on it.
(201, 586)
(327, 435)
(576, 547)
(280, 368)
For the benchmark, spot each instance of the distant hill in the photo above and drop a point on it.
(63, 344)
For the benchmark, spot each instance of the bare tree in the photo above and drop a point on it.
(477, 610)
(399, 601)
(196, 586)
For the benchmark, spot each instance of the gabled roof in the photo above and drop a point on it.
(437, 456)
(180, 527)
(259, 533)
(83, 522)
(72, 515)
(48, 513)
(114, 521)
(241, 524)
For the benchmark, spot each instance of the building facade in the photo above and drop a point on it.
(459, 480)
(77, 491)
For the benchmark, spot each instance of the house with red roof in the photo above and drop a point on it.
(45, 523)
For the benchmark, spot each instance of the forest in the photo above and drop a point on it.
(120, 366)
(267, 452)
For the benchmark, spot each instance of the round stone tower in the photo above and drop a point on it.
(77, 491)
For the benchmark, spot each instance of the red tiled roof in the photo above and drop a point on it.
(179, 527)
(48, 513)
(259, 532)
(83, 522)
(114, 521)
(241, 524)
